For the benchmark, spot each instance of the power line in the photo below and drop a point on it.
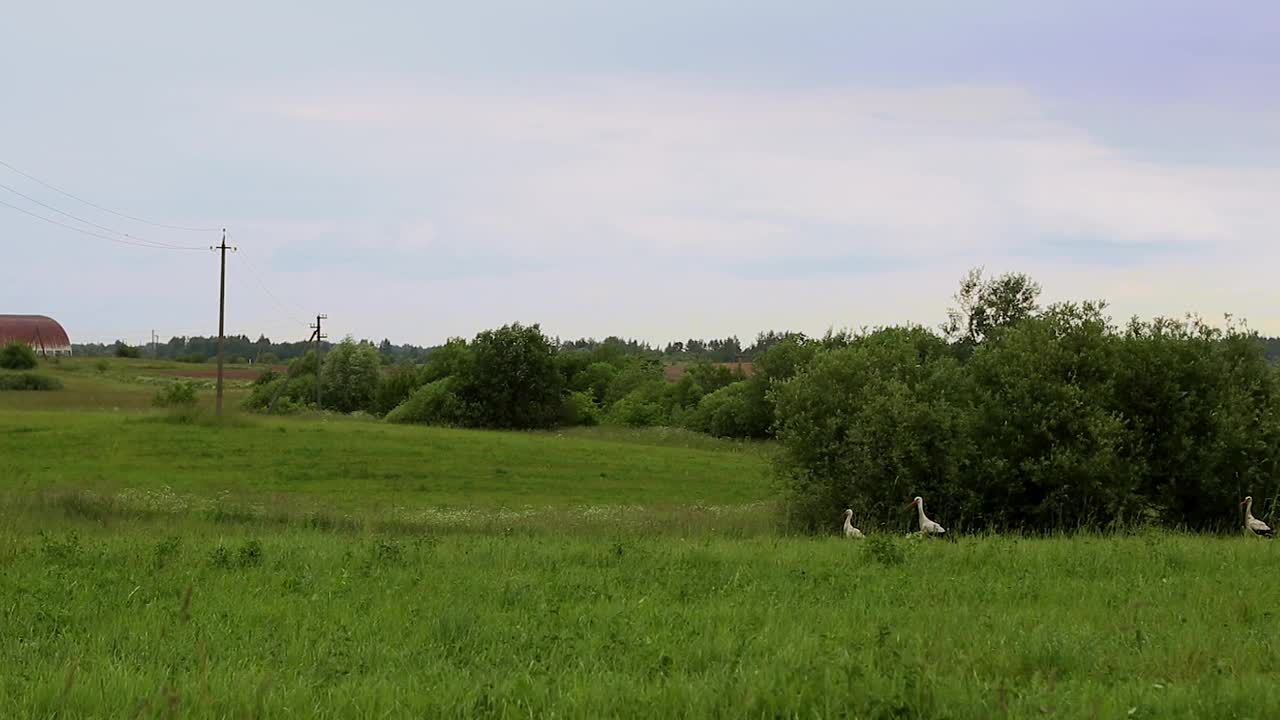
(64, 213)
(94, 234)
(257, 278)
(104, 209)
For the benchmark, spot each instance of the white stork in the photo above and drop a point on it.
(849, 530)
(927, 526)
(1253, 525)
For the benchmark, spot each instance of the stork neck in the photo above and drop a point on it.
(1248, 510)
(920, 511)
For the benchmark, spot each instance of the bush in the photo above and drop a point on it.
(180, 394)
(634, 411)
(266, 377)
(734, 411)
(871, 425)
(17, 356)
(193, 358)
(512, 381)
(395, 387)
(453, 359)
(579, 408)
(127, 351)
(594, 379)
(1057, 421)
(350, 376)
(435, 403)
(28, 381)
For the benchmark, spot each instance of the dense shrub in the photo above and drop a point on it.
(453, 359)
(511, 380)
(265, 377)
(1057, 420)
(436, 403)
(635, 411)
(1202, 409)
(395, 387)
(28, 381)
(735, 411)
(579, 408)
(17, 356)
(180, 394)
(594, 379)
(126, 351)
(711, 376)
(350, 376)
(871, 425)
(1052, 445)
(635, 374)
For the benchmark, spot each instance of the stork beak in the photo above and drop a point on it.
(1242, 502)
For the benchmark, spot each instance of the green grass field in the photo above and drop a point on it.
(325, 567)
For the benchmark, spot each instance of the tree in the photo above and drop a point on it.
(453, 359)
(395, 387)
(126, 351)
(349, 376)
(512, 380)
(984, 306)
(1053, 446)
(17, 356)
(870, 425)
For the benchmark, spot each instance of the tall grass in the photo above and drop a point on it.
(207, 619)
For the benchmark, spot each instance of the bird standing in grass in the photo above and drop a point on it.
(927, 526)
(1253, 525)
(849, 530)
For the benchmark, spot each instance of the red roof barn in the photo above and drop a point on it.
(43, 334)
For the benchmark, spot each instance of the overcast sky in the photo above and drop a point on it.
(661, 170)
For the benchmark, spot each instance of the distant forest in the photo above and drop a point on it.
(240, 349)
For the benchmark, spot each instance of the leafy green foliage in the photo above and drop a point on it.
(1056, 421)
(735, 411)
(871, 425)
(350, 376)
(984, 306)
(395, 387)
(28, 381)
(17, 356)
(180, 394)
(579, 408)
(127, 351)
(453, 359)
(512, 380)
(595, 379)
(436, 403)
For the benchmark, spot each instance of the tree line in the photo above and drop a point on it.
(1009, 415)
(242, 349)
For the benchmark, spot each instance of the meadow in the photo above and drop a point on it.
(318, 566)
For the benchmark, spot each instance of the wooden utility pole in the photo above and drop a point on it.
(222, 308)
(319, 335)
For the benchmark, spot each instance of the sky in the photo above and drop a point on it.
(649, 169)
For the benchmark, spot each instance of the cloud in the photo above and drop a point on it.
(909, 174)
